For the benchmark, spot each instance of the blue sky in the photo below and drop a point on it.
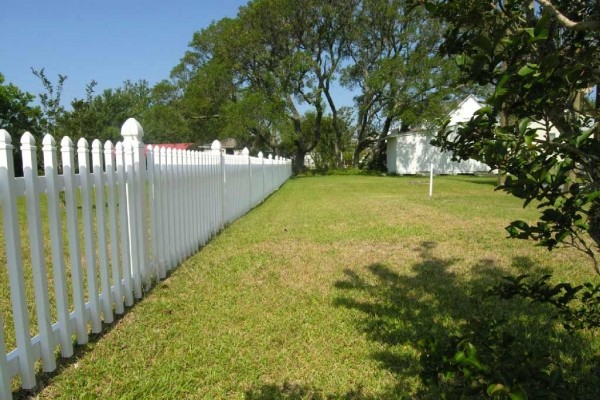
(108, 41)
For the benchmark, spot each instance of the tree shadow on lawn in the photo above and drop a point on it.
(417, 318)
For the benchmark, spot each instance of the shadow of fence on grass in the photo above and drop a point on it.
(435, 305)
(79, 351)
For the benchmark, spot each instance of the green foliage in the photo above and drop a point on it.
(487, 359)
(101, 116)
(52, 110)
(489, 362)
(538, 124)
(578, 306)
(251, 77)
(325, 155)
(396, 71)
(17, 115)
(164, 121)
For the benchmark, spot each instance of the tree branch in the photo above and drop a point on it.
(568, 23)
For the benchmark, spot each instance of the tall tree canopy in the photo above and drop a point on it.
(543, 59)
(255, 75)
(395, 66)
(252, 73)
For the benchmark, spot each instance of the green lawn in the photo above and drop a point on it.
(324, 291)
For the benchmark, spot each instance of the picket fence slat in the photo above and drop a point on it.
(138, 213)
(88, 233)
(5, 389)
(111, 181)
(34, 223)
(125, 230)
(57, 245)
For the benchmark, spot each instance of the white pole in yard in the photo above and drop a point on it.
(431, 181)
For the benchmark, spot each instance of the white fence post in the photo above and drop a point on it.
(36, 244)
(431, 181)
(271, 174)
(171, 207)
(68, 163)
(248, 162)
(125, 230)
(88, 233)
(15, 261)
(129, 134)
(179, 212)
(109, 162)
(163, 230)
(262, 170)
(57, 244)
(187, 198)
(98, 168)
(153, 194)
(133, 133)
(216, 150)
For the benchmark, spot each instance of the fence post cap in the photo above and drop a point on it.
(132, 130)
(245, 151)
(5, 140)
(97, 145)
(27, 139)
(82, 144)
(66, 143)
(260, 154)
(48, 141)
(270, 156)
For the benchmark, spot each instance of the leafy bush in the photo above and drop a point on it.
(486, 360)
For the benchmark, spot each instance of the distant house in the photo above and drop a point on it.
(411, 153)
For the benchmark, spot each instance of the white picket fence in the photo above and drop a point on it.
(137, 212)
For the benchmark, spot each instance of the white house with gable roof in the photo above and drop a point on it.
(411, 153)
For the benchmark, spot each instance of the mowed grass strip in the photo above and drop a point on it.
(323, 291)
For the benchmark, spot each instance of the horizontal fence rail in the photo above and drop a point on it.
(84, 241)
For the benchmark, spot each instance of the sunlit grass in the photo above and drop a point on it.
(324, 290)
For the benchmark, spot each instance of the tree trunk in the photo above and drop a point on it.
(298, 162)
(360, 146)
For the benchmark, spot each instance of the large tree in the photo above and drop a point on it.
(396, 69)
(543, 59)
(254, 76)
(266, 65)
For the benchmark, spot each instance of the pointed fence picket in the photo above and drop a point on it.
(137, 211)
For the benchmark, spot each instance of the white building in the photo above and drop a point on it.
(411, 153)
